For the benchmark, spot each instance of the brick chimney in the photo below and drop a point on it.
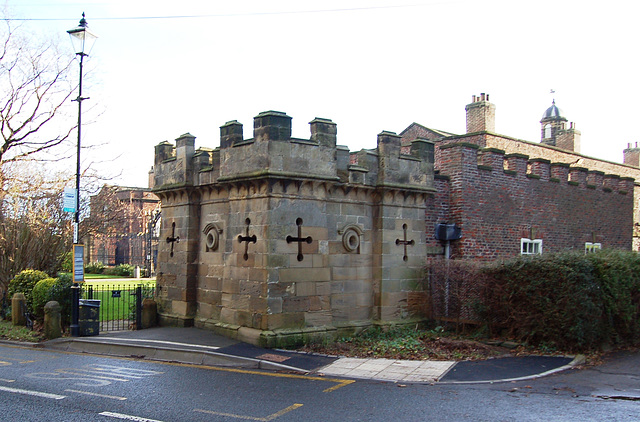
(632, 155)
(481, 114)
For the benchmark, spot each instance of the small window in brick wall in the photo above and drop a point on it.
(530, 247)
(592, 247)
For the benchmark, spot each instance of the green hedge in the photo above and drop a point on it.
(94, 268)
(568, 301)
(41, 296)
(121, 270)
(58, 289)
(24, 282)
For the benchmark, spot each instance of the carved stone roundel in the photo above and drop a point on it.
(212, 240)
(351, 238)
(212, 236)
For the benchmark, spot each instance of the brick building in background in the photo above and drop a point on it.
(511, 196)
(122, 233)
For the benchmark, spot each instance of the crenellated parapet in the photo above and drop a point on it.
(273, 153)
(470, 157)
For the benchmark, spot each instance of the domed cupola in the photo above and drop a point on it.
(552, 124)
(553, 112)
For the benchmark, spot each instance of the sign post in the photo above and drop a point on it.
(78, 263)
(78, 277)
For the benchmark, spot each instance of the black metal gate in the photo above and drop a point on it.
(120, 304)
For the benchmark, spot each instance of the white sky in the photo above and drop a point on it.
(369, 65)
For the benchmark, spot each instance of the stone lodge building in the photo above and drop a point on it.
(275, 240)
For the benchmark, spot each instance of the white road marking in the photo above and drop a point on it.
(4, 380)
(32, 393)
(85, 382)
(96, 375)
(97, 395)
(90, 374)
(160, 341)
(127, 417)
(123, 371)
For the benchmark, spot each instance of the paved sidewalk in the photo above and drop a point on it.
(203, 347)
(389, 369)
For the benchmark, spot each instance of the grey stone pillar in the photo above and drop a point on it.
(52, 320)
(18, 307)
(149, 313)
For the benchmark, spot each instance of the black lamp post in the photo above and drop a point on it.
(82, 40)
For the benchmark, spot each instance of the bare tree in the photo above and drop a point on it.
(34, 232)
(109, 213)
(35, 84)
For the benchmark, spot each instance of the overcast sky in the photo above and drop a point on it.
(369, 65)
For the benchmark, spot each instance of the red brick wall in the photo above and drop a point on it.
(497, 205)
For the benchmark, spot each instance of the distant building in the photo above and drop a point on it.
(123, 221)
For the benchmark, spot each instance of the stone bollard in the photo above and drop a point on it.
(18, 308)
(149, 313)
(52, 320)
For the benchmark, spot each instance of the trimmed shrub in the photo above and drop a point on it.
(121, 270)
(41, 294)
(567, 301)
(61, 293)
(94, 268)
(24, 282)
(124, 270)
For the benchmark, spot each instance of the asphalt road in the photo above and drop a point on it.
(40, 385)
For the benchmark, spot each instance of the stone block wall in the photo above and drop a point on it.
(284, 240)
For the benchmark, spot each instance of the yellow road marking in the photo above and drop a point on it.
(340, 382)
(340, 385)
(252, 418)
(96, 394)
(3, 363)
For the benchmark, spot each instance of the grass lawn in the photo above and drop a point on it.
(101, 276)
(125, 283)
(115, 295)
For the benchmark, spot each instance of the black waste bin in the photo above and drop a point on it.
(89, 317)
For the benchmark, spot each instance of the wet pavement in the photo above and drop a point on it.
(203, 347)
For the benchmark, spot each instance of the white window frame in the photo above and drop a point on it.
(590, 247)
(530, 246)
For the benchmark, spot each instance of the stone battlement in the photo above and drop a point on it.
(273, 153)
